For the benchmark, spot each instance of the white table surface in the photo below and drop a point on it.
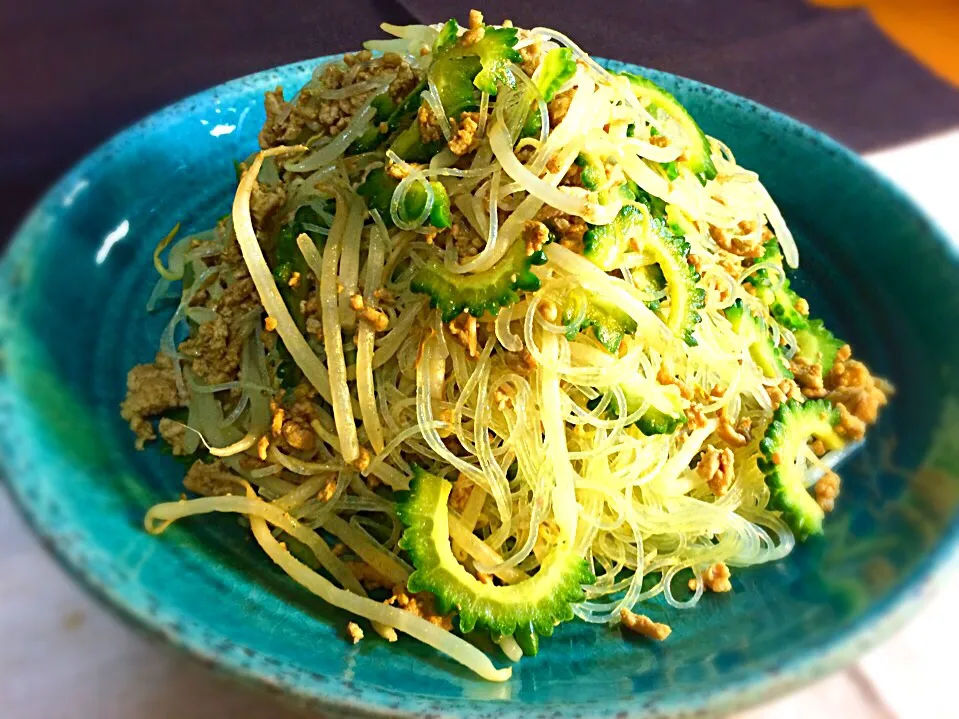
(61, 655)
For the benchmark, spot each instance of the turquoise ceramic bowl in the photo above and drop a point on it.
(72, 292)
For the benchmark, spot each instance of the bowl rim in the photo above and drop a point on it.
(207, 646)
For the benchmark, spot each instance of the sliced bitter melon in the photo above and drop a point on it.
(482, 291)
(765, 354)
(540, 602)
(794, 425)
(610, 324)
(698, 155)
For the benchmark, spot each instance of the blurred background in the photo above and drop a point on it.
(879, 75)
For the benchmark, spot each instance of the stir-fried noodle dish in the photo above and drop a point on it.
(493, 339)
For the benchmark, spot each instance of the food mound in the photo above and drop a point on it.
(494, 338)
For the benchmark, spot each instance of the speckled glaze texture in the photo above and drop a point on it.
(72, 292)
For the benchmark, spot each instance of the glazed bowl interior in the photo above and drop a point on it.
(72, 295)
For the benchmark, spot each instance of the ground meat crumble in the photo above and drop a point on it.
(151, 390)
(644, 626)
(308, 114)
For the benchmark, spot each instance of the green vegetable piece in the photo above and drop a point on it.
(453, 77)
(818, 344)
(665, 414)
(528, 639)
(609, 323)
(289, 259)
(604, 245)
(593, 175)
(447, 36)
(384, 106)
(496, 52)
(541, 601)
(440, 214)
(698, 153)
(397, 116)
(482, 291)
(781, 300)
(409, 145)
(555, 70)
(794, 425)
(415, 201)
(765, 354)
(670, 169)
(378, 188)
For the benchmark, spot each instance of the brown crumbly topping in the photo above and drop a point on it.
(269, 324)
(151, 390)
(817, 447)
(502, 399)
(827, 489)
(262, 445)
(460, 493)
(376, 317)
(466, 241)
(174, 434)
(363, 459)
(695, 418)
(463, 140)
(644, 626)
(531, 55)
(802, 307)
(299, 435)
(548, 310)
(354, 632)
(808, 377)
(396, 170)
(276, 424)
(294, 279)
(716, 578)
(214, 351)
(569, 227)
(309, 115)
(665, 377)
(463, 329)
(735, 435)
(573, 176)
(429, 128)
(522, 362)
(750, 246)
(367, 576)
(850, 426)
(211, 480)
(659, 140)
(238, 298)
(421, 605)
(476, 30)
(384, 297)
(696, 262)
(325, 495)
(559, 106)
(265, 201)
(851, 386)
(716, 467)
(787, 389)
(535, 235)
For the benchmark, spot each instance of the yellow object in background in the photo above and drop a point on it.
(927, 29)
